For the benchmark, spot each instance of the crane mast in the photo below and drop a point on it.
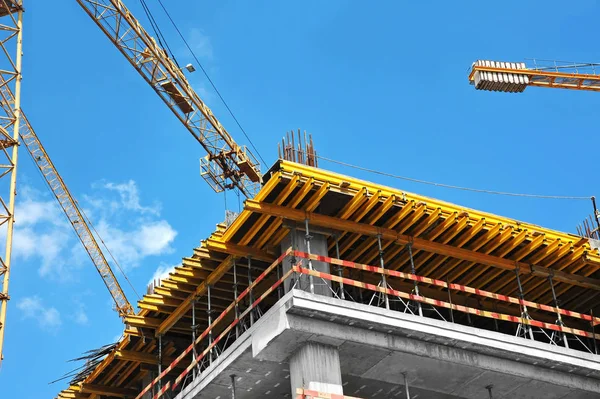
(11, 43)
(227, 165)
(514, 77)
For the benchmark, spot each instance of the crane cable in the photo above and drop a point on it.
(210, 81)
(89, 222)
(476, 190)
(157, 32)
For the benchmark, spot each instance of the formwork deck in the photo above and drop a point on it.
(448, 242)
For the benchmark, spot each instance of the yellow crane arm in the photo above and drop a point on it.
(514, 77)
(227, 164)
(69, 206)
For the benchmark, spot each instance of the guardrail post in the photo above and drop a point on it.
(524, 312)
(559, 317)
(209, 314)
(307, 238)
(194, 326)
(383, 276)
(235, 299)
(250, 294)
(413, 272)
(339, 268)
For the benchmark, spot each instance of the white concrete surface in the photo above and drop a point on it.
(442, 360)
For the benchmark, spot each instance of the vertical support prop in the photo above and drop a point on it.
(339, 268)
(414, 272)
(307, 238)
(232, 376)
(406, 385)
(383, 276)
(524, 312)
(489, 389)
(593, 332)
(450, 301)
(209, 314)
(558, 315)
(160, 361)
(235, 300)
(194, 354)
(250, 293)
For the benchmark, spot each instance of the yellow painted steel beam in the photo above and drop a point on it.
(243, 216)
(262, 220)
(180, 311)
(355, 184)
(302, 193)
(141, 357)
(239, 250)
(445, 238)
(312, 204)
(534, 260)
(391, 223)
(109, 391)
(315, 200)
(501, 251)
(353, 204)
(372, 219)
(545, 78)
(472, 232)
(418, 243)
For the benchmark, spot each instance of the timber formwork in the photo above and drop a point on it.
(386, 247)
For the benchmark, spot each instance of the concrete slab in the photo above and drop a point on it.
(442, 360)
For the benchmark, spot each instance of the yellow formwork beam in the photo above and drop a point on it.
(418, 243)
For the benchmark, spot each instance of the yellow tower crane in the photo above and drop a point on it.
(227, 165)
(515, 77)
(11, 39)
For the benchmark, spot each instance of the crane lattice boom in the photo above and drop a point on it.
(69, 206)
(514, 77)
(227, 164)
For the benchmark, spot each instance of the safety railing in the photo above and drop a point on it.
(250, 304)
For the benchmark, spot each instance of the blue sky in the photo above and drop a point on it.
(384, 87)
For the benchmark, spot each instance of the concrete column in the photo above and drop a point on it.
(318, 246)
(316, 367)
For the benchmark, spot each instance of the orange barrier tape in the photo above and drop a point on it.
(436, 302)
(441, 283)
(189, 349)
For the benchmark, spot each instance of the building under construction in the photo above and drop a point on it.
(326, 286)
(325, 283)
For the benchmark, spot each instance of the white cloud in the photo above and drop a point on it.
(131, 229)
(48, 318)
(200, 43)
(130, 198)
(162, 272)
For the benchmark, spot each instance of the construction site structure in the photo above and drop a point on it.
(514, 77)
(11, 41)
(327, 286)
